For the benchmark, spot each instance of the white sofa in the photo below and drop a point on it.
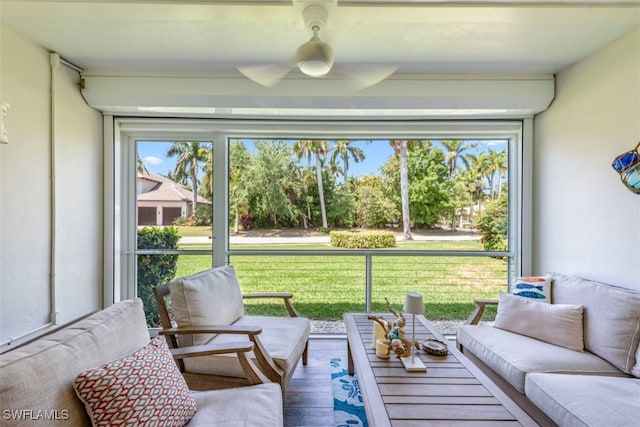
(37, 379)
(599, 386)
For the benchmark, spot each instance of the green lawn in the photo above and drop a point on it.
(325, 287)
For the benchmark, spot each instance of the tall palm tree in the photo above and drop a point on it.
(206, 182)
(239, 161)
(499, 163)
(344, 149)
(318, 148)
(483, 170)
(401, 149)
(456, 153)
(189, 154)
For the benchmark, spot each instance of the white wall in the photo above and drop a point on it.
(25, 193)
(585, 221)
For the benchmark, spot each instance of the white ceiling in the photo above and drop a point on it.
(417, 36)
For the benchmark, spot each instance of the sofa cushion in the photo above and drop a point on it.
(211, 297)
(611, 317)
(142, 388)
(578, 400)
(284, 338)
(559, 324)
(40, 375)
(537, 288)
(258, 405)
(513, 356)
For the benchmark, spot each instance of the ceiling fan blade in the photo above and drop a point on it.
(265, 75)
(365, 76)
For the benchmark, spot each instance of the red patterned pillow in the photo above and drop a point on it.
(144, 388)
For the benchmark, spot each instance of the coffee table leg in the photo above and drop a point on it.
(349, 359)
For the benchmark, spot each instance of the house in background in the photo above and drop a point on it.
(161, 201)
(568, 72)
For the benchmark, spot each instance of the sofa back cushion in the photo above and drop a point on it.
(611, 317)
(211, 297)
(36, 380)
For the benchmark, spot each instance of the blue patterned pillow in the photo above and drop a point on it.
(536, 288)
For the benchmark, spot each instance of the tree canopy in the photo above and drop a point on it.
(307, 183)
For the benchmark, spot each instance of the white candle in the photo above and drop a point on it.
(382, 348)
(378, 332)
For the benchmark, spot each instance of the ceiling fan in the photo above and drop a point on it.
(314, 58)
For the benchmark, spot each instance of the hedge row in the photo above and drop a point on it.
(362, 239)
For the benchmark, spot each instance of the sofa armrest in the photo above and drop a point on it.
(286, 297)
(253, 373)
(481, 304)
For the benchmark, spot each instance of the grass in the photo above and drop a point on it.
(326, 287)
(195, 231)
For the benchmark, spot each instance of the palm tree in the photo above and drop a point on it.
(206, 182)
(306, 148)
(344, 150)
(401, 149)
(481, 168)
(140, 166)
(239, 162)
(499, 163)
(455, 149)
(190, 154)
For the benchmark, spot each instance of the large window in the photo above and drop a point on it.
(275, 199)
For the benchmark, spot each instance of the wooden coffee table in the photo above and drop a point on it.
(452, 392)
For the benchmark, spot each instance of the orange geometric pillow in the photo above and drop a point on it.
(143, 388)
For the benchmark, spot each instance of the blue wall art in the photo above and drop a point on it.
(628, 166)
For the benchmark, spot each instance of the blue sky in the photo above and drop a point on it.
(153, 154)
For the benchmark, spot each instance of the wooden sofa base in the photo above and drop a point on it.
(520, 399)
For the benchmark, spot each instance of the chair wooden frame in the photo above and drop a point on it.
(477, 313)
(266, 364)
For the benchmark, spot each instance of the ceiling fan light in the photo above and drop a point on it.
(314, 58)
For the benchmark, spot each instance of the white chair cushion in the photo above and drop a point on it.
(513, 356)
(258, 405)
(283, 337)
(211, 297)
(579, 401)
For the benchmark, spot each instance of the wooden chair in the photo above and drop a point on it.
(213, 292)
(241, 349)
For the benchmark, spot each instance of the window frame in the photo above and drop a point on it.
(121, 134)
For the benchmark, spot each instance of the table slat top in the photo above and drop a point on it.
(453, 391)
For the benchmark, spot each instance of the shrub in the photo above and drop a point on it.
(362, 239)
(493, 225)
(154, 270)
(203, 215)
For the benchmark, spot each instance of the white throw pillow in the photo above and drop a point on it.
(537, 288)
(559, 324)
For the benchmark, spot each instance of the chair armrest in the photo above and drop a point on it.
(213, 329)
(265, 361)
(210, 349)
(253, 373)
(286, 297)
(475, 317)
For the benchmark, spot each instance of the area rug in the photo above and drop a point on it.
(347, 400)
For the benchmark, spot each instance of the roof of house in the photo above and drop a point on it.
(166, 190)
